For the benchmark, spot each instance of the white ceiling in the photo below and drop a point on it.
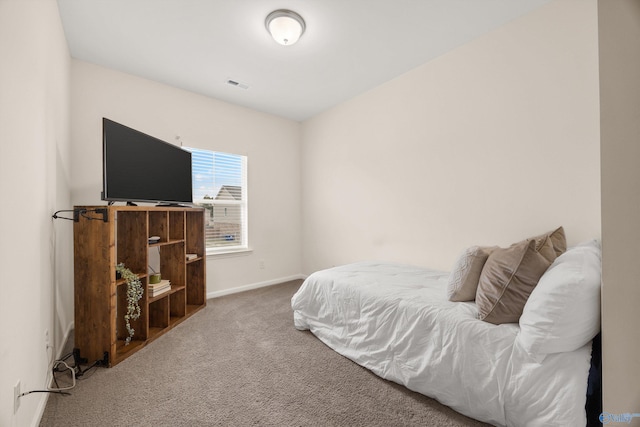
(349, 46)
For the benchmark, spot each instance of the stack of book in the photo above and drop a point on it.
(191, 256)
(159, 288)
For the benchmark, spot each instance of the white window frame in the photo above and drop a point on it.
(243, 245)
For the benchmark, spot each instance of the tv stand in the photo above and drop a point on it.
(100, 298)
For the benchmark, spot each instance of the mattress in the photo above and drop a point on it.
(396, 321)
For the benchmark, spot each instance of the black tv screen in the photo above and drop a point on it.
(137, 167)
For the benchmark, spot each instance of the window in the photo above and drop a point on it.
(220, 186)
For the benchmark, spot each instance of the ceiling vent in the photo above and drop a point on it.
(237, 84)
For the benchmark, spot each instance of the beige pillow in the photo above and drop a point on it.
(463, 279)
(552, 244)
(507, 279)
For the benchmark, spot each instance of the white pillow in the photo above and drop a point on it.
(463, 279)
(563, 312)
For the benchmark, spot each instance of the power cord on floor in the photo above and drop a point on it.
(64, 393)
(61, 366)
(57, 389)
(55, 369)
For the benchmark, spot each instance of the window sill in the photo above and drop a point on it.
(228, 253)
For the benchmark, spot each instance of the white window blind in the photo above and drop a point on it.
(220, 186)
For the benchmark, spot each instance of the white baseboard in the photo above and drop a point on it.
(216, 294)
(40, 410)
(70, 328)
(45, 396)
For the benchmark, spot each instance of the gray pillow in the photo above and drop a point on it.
(463, 279)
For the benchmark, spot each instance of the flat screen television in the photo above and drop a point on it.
(137, 167)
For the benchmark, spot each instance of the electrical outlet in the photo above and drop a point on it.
(47, 342)
(261, 264)
(16, 397)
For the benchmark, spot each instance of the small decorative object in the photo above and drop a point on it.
(134, 294)
(155, 277)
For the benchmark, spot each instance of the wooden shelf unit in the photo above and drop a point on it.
(120, 234)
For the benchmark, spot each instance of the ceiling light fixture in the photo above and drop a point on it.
(285, 26)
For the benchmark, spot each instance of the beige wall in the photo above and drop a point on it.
(619, 28)
(489, 144)
(35, 250)
(271, 144)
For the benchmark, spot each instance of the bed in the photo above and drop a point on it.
(399, 322)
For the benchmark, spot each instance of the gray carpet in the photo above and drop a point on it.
(241, 362)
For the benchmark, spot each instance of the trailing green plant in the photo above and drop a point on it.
(134, 294)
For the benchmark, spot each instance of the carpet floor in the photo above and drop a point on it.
(241, 362)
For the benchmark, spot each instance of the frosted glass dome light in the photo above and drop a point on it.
(285, 26)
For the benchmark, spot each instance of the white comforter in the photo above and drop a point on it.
(396, 321)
